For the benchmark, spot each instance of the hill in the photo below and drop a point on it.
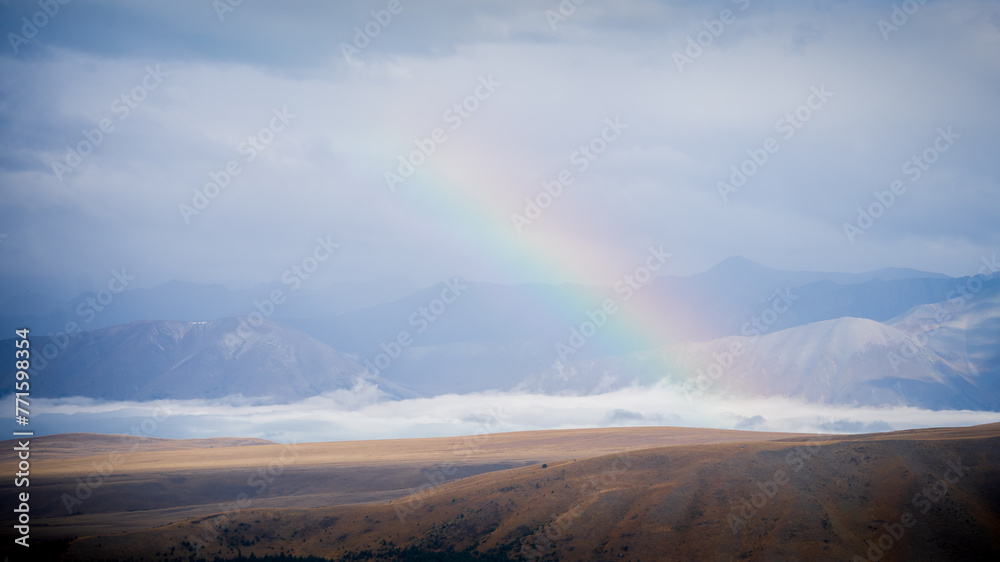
(139, 483)
(915, 495)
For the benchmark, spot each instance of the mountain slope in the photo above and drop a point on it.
(491, 336)
(192, 302)
(940, 356)
(151, 360)
(842, 361)
(355, 317)
(502, 335)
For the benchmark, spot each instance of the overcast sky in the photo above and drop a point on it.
(198, 81)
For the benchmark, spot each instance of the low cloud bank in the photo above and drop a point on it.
(361, 413)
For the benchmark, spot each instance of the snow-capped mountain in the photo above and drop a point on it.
(940, 356)
(868, 339)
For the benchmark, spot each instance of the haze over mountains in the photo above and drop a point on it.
(149, 360)
(893, 337)
(734, 281)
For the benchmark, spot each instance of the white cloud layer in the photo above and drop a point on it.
(360, 414)
(324, 173)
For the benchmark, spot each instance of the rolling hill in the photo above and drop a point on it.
(911, 495)
(137, 483)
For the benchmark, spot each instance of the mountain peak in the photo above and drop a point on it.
(738, 265)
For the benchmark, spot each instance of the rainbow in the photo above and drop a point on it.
(471, 197)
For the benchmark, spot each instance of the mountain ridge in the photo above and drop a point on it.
(147, 360)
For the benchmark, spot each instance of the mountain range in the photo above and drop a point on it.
(889, 337)
(149, 360)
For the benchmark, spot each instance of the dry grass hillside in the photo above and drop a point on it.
(916, 495)
(75, 445)
(133, 484)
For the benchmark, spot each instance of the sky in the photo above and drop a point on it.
(204, 142)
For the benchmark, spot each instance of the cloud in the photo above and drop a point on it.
(325, 173)
(360, 414)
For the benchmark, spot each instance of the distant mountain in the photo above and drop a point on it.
(896, 273)
(495, 336)
(465, 336)
(722, 299)
(964, 331)
(165, 359)
(479, 312)
(879, 300)
(192, 302)
(842, 361)
(490, 337)
(357, 317)
(31, 303)
(940, 356)
(763, 277)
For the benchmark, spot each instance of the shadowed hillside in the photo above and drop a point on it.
(132, 483)
(921, 495)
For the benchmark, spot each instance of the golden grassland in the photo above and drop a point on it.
(623, 493)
